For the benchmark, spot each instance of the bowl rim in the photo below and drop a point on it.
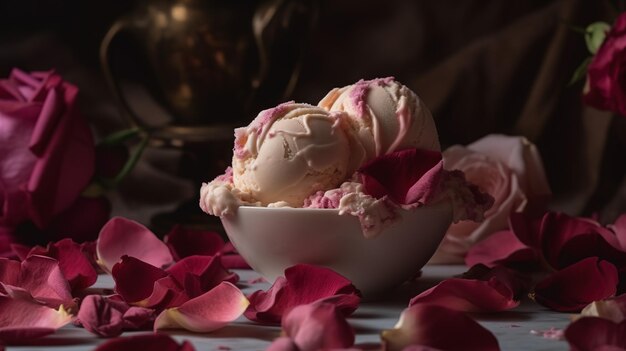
(288, 209)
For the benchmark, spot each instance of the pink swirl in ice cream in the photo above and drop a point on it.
(386, 116)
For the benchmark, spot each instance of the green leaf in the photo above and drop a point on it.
(580, 72)
(120, 137)
(595, 34)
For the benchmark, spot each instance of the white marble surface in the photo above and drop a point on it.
(511, 328)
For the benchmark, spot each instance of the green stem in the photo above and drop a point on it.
(120, 136)
(132, 160)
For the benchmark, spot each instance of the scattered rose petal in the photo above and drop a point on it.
(318, 326)
(108, 317)
(552, 333)
(9, 271)
(231, 259)
(574, 287)
(407, 176)
(199, 274)
(437, 327)
(566, 240)
(619, 228)
(121, 236)
(490, 294)
(593, 333)
(301, 285)
(502, 248)
(135, 279)
(21, 251)
(160, 342)
(205, 313)
(184, 242)
(26, 318)
(40, 278)
(76, 267)
(613, 309)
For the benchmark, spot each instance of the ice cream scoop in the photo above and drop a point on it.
(385, 115)
(289, 152)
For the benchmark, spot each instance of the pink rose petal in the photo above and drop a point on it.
(21, 318)
(283, 343)
(318, 326)
(41, 278)
(166, 293)
(75, 266)
(160, 342)
(407, 177)
(121, 236)
(574, 287)
(613, 308)
(135, 279)
(491, 293)
(440, 328)
(9, 271)
(231, 259)
(185, 242)
(301, 285)
(502, 248)
(199, 274)
(592, 333)
(205, 313)
(107, 317)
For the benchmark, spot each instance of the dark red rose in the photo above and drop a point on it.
(606, 74)
(46, 146)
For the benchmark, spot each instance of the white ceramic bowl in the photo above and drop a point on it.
(272, 239)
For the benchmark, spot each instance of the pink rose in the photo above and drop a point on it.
(605, 87)
(46, 148)
(510, 170)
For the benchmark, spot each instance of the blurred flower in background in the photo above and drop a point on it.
(47, 161)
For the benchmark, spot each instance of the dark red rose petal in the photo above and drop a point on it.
(619, 228)
(199, 274)
(22, 336)
(440, 328)
(502, 248)
(108, 317)
(134, 279)
(407, 176)
(566, 240)
(184, 242)
(152, 341)
(574, 287)
(301, 285)
(231, 259)
(593, 333)
(76, 268)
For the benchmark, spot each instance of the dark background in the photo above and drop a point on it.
(482, 66)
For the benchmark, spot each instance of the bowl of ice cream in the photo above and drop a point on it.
(355, 183)
(272, 239)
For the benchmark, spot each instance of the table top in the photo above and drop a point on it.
(517, 329)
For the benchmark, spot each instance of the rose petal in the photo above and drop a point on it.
(135, 279)
(107, 318)
(318, 326)
(185, 242)
(574, 287)
(613, 309)
(301, 285)
(121, 236)
(491, 294)
(21, 336)
(9, 271)
(231, 259)
(166, 293)
(207, 312)
(19, 316)
(569, 239)
(161, 342)
(407, 176)
(502, 248)
(76, 268)
(592, 333)
(619, 228)
(199, 274)
(437, 327)
(42, 279)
